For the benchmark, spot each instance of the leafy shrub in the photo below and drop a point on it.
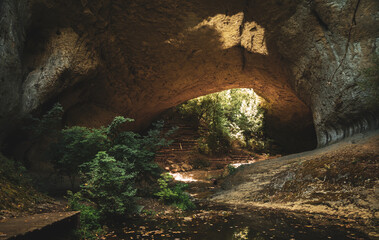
(110, 184)
(258, 145)
(175, 195)
(226, 118)
(111, 161)
(89, 216)
(12, 171)
(75, 146)
(137, 149)
(231, 169)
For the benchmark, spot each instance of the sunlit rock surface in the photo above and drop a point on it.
(103, 58)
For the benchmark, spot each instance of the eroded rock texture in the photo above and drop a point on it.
(102, 58)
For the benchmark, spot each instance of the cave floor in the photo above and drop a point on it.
(340, 180)
(327, 193)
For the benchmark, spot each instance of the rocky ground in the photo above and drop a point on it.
(18, 197)
(23, 200)
(340, 180)
(21, 203)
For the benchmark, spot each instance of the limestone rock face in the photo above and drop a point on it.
(103, 58)
(12, 21)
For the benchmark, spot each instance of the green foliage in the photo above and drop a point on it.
(174, 195)
(231, 169)
(149, 212)
(89, 216)
(209, 111)
(137, 149)
(109, 159)
(259, 145)
(75, 146)
(13, 171)
(114, 129)
(110, 184)
(232, 116)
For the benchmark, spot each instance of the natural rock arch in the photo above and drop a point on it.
(137, 58)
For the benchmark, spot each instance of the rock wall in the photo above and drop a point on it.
(338, 40)
(103, 58)
(13, 18)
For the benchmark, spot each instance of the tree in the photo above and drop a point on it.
(174, 195)
(110, 184)
(230, 116)
(75, 146)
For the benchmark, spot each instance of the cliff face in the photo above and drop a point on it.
(102, 58)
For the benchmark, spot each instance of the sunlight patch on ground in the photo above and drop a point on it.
(182, 178)
(236, 165)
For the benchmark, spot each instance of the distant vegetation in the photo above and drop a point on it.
(226, 119)
(174, 194)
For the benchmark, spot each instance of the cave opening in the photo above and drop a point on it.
(291, 128)
(223, 130)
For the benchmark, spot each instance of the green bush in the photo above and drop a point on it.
(13, 171)
(75, 146)
(137, 149)
(226, 118)
(174, 195)
(231, 169)
(90, 225)
(258, 145)
(110, 184)
(110, 161)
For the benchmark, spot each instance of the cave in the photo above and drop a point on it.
(100, 59)
(311, 61)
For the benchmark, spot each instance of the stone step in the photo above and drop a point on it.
(40, 226)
